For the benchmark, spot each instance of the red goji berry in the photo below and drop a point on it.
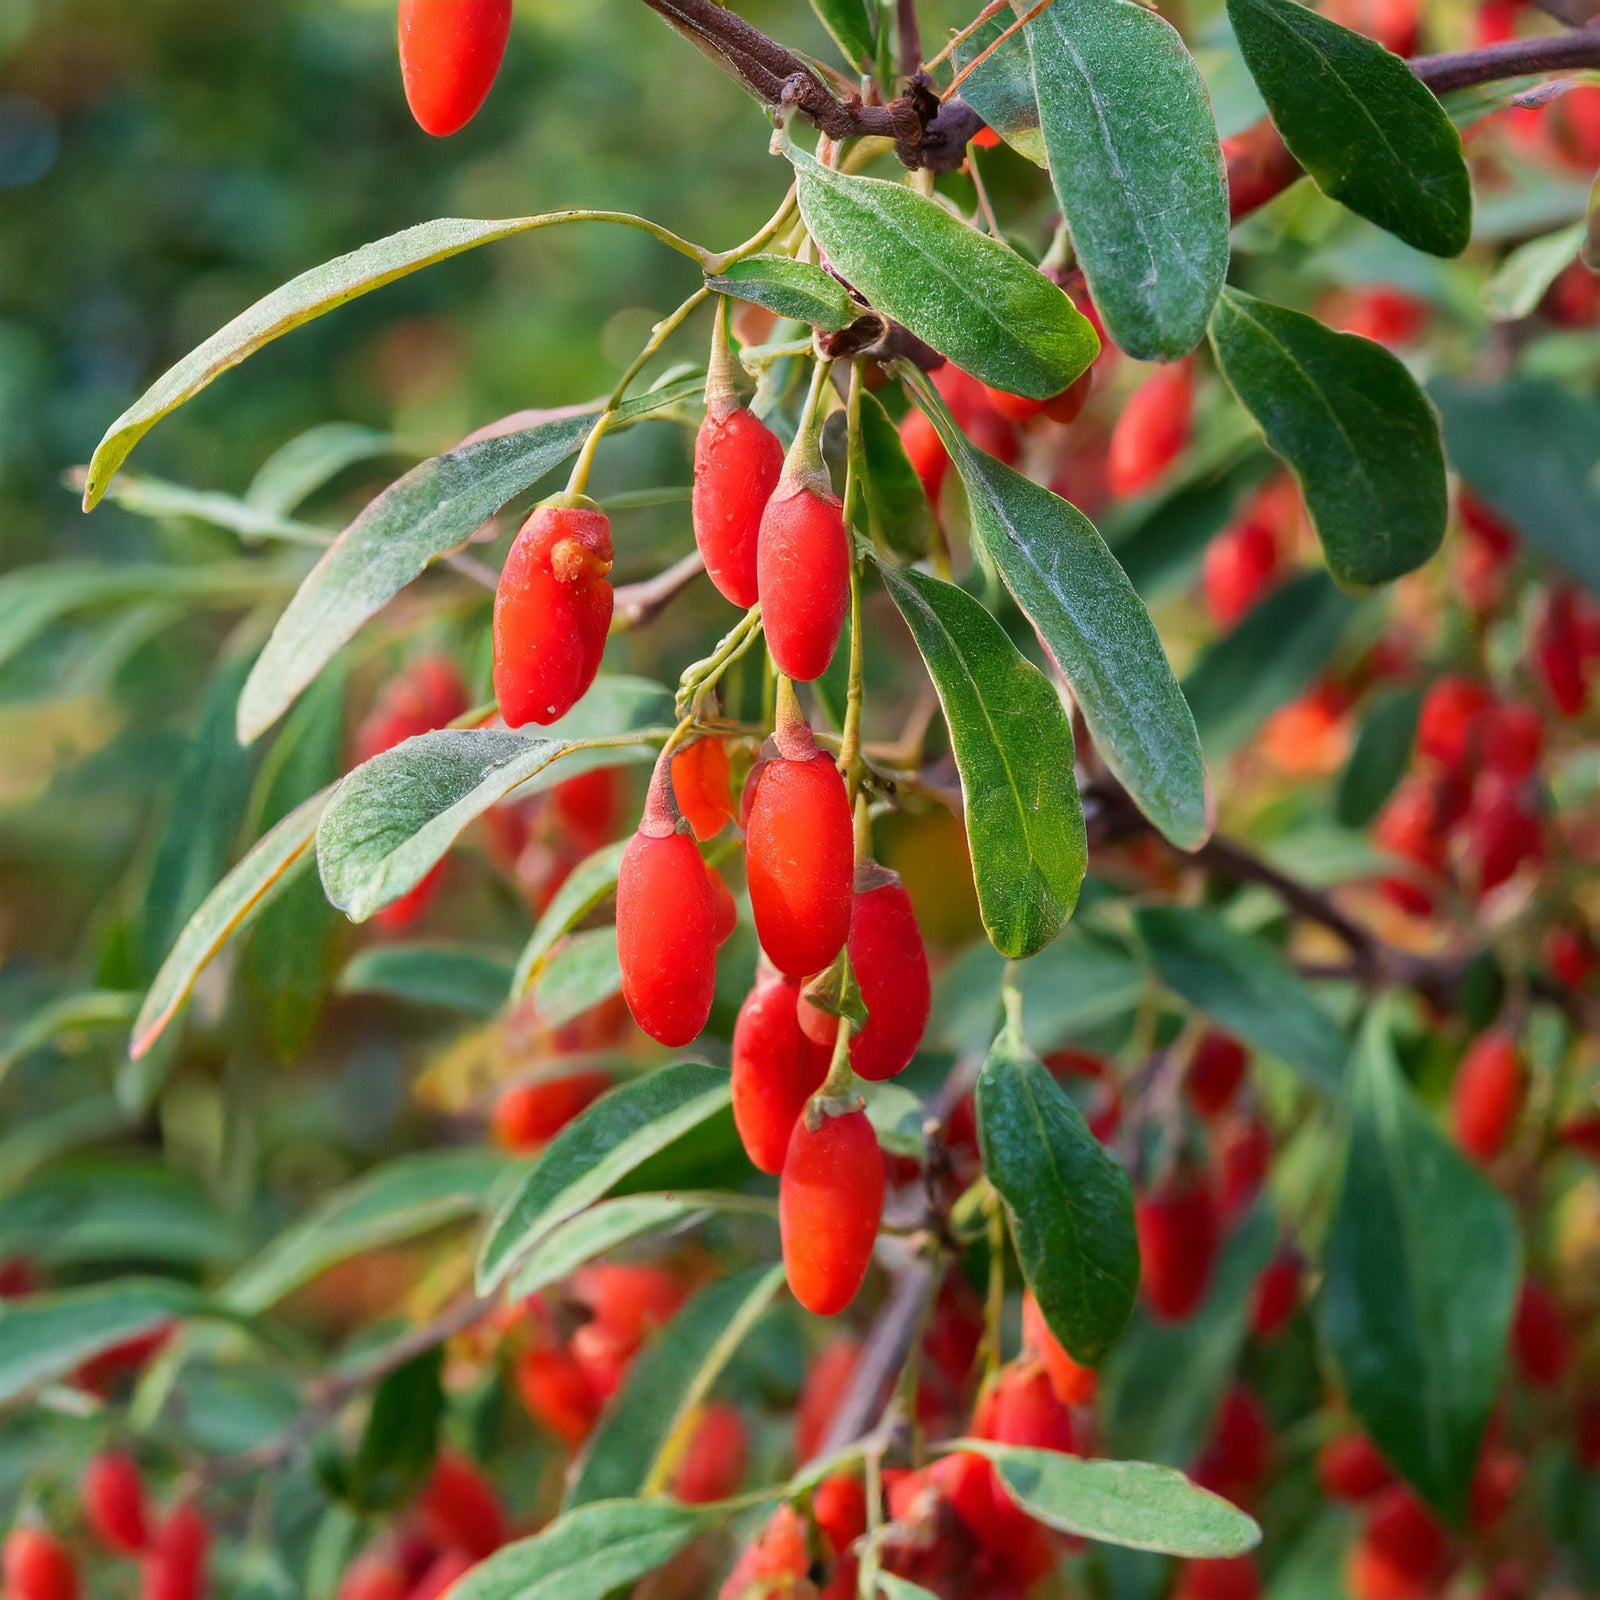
(450, 52)
(531, 1114)
(803, 555)
(830, 1201)
(38, 1567)
(1487, 1095)
(113, 1502)
(737, 463)
(459, 1509)
(374, 1576)
(552, 610)
(1542, 1342)
(1215, 1071)
(1179, 1231)
(1349, 1468)
(1150, 434)
(1227, 1578)
(776, 1069)
(713, 1465)
(824, 1386)
(1073, 1383)
(174, 1565)
(557, 1392)
(1236, 1457)
(701, 779)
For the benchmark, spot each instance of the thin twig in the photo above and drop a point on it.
(641, 603)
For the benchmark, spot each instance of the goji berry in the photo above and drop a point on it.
(1227, 1578)
(629, 1301)
(737, 463)
(38, 1567)
(1350, 1468)
(113, 1502)
(1073, 1383)
(803, 560)
(1542, 1342)
(1487, 1095)
(713, 1465)
(1216, 1068)
(1150, 434)
(826, 1381)
(1275, 1296)
(1237, 570)
(701, 780)
(830, 1201)
(1448, 724)
(552, 610)
(174, 1564)
(557, 1393)
(1179, 1232)
(1558, 652)
(459, 1509)
(530, 1114)
(1236, 1457)
(450, 53)
(776, 1069)
(442, 1574)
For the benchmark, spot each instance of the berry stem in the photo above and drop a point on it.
(850, 747)
(705, 675)
(804, 466)
(722, 371)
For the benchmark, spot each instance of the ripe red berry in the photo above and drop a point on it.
(1541, 1340)
(459, 1509)
(1570, 954)
(925, 451)
(1447, 727)
(1558, 652)
(803, 572)
(1074, 1384)
(1022, 1408)
(442, 1574)
(552, 610)
(557, 1393)
(830, 1201)
(374, 1576)
(1350, 1468)
(1582, 1133)
(1235, 1460)
(113, 1502)
(530, 1114)
(701, 781)
(713, 1465)
(450, 51)
(891, 966)
(630, 1302)
(1179, 1232)
(1237, 570)
(1512, 737)
(1150, 434)
(1259, 168)
(724, 908)
(1401, 1543)
(1495, 1481)
(776, 1564)
(1215, 1071)
(826, 1382)
(800, 856)
(1386, 316)
(1243, 1156)
(1393, 23)
(1487, 1095)
(666, 924)
(1229, 1578)
(737, 463)
(1410, 826)
(174, 1565)
(429, 693)
(38, 1567)
(1276, 1294)
(776, 1069)
(1501, 831)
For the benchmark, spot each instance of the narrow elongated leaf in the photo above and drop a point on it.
(395, 816)
(1061, 574)
(1269, 659)
(1013, 748)
(1244, 984)
(312, 460)
(1000, 90)
(399, 1442)
(47, 1336)
(581, 973)
(898, 514)
(669, 1378)
(435, 507)
(588, 885)
(789, 288)
(592, 1233)
(1130, 1503)
(260, 873)
(72, 1014)
(300, 300)
(1068, 1200)
(1527, 447)
(1379, 758)
(1353, 426)
(1519, 282)
(852, 24)
(154, 497)
(1371, 135)
(971, 297)
(1421, 1270)
(587, 1554)
(408, 1197)
(453, 976)
(593, 1152)
(1142, 190)
(892, 1588)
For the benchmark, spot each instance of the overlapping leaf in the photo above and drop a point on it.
(789, 288)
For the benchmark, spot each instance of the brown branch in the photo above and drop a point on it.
(910, 40)
(1515, 58)
(639, 604)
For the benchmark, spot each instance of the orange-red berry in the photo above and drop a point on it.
(459, 1509)
(713, 1465)
(1350, 1468)
(530, 1114)
(830, 1201)
(776, 1069)
(1179, 1232)
(557, 1393)
(826, 1381)
(450, 52)
(702, 780)
(1150, 434)
(737, 463)
(113, 1502)
(803, 569)
(1487, 1095)
(1073, 1383)
(174, 1565)
(38, 1567)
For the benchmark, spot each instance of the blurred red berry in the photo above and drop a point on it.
(175, 1561)
(1151, 432)
(1350, 1468)
(1487, 1095)
(113, 1502)
(713, 1465)
(531, 1114)
(1216, 1068)
(38, 1567)
(1542, 1341)
(1234, 1462)
(459, 1508)
(1179, 1232)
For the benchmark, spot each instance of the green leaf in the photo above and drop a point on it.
(70, 1015)
(312, 460)
(1246, 986)
(167, 502)
(1527, 448)
(396, 815)
(1013, 748)
(789, 288)
(1519, 282)
(1371, 135)
(1142, 189)
(1273, 655)
(588, 1553)
(594, 1151)
(1353, 426)
(1001, 90)
(83, 1214)
(455, 977)
(260, 873)
(899, 517)
(592, 1233)
(893, 1588)
(971, 297)
(1068, 1200)
(1130, 1503)
(1061, 574)
(322, 289)
(852, 24)
(399, 1442)
(630, 1452)
(402, 1200)
(1379, 757)
(580, 974)
(47, 1336)
(590, 884)
(435, 507)
(1421, 1269)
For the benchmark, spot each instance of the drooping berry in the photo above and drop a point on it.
(459, 1509)
(776, 1069)
(800, 855)
(1237, 570)
(1558, 652)
(1542, 1342)
(450, 51)
(38, 1567)
(1150, 434)
(803, 560)
(1227, 1578)
(830, 1201)
(630, 1302)
(1179, 1232)
(1275, 1296)
(530, 1114)
(1501, 831)
(826, 1382)
(174, 1565)
(1350, 1468)
(113, 1502)
(1487, 1095)
(552, 610)
(1403, 1548)
(1074, 1384)
(557, 1392)
(724, 908)
(1022, 1408)
(1238, 1453)
(1448, 724)
(701, 779)
(666, 924)
(713, 1465)
(1215, 1071)
(737, 463)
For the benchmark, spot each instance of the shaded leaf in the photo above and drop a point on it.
(1379, 757)
(1001, 90)
(1246, 986)
(1421, 1269)
(1068, 1200)
(898, 514)
(971, 297)
(1061, 574)
(312, 460)
(852, 24)
(789, 288)
(580, 974)
(1013, 747)
(455, 977)
(1372, 136)
(399, 1442)
(1351, 423)
(666, 1383)
(594, 1151)
(592, 1233)
(59, 1020)
(592, 882)
(1143, 194)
